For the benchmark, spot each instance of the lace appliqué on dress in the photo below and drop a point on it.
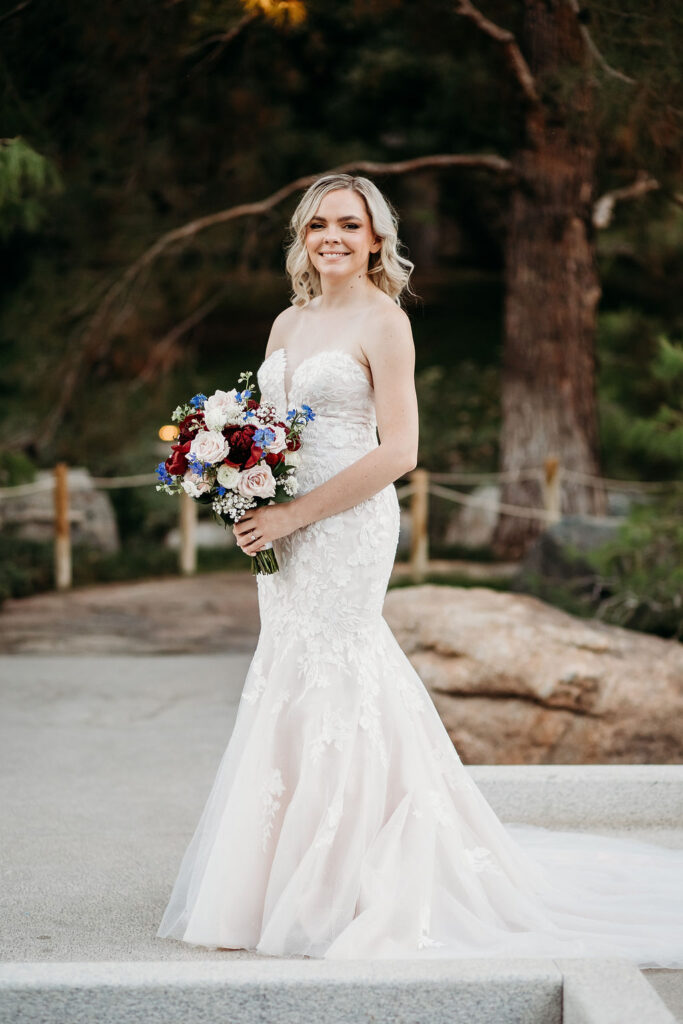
(273, 788)
(335, 731)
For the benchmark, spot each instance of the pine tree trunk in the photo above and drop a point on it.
(552, 289)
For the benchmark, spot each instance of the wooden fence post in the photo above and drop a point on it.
(62, 554)
(187, 560)
(419, 515)
(551, 490)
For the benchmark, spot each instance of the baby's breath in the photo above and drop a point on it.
(232, 504)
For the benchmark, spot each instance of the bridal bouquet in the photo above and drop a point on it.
(234, 454)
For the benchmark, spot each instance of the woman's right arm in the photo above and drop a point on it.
(278, 331)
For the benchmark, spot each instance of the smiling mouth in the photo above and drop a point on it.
(333, 255)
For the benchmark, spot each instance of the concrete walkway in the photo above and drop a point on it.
(106, 763)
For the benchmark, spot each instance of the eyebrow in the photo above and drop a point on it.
(351, 216)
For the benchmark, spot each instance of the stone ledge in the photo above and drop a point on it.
(566, 991)
(608, 992)
(286, 992)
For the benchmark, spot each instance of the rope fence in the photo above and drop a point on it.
(420, 486)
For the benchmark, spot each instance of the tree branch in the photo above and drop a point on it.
(165, 352)
(96, 337)
(15, 10)
(223, 39)
(603, 208)
(513, 55)
(594, 51)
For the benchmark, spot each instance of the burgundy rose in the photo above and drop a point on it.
(186, 428)
(176, 464)
(293, 444)
(272, 458)
(243, 453)
(252, 403)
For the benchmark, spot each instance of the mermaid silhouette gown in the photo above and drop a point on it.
(342, 822)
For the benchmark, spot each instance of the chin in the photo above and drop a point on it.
(348, 268)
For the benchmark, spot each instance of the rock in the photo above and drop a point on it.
(558, 556)
(473, 526)
(517, 681)
(91, 513)
(208, 534)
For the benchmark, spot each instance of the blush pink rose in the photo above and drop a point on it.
(209, 446)
(257, 482)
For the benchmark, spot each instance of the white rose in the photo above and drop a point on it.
(209, 446)
(292, 458)
(195, 485)
(227, 476)
(280, 442)
(221, 409)
(257, 482)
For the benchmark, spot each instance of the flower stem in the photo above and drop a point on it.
(264, 562)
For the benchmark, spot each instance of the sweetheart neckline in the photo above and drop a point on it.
(308, 359)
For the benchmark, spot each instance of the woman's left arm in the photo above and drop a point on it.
(391, 355)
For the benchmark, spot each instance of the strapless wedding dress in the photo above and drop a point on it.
(342, 822)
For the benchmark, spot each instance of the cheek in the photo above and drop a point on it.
(362, 240)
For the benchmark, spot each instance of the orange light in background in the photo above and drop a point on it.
(169, 432)
(292, 12)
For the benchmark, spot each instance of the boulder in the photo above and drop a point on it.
(517, 681)
(91, 514)
(558, 556)
(473, 526)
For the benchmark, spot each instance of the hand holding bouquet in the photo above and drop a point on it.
(234, 454)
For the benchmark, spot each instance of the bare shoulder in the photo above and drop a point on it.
(389, 340)
(281, 326)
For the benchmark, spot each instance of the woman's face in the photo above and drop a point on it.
(339, 238)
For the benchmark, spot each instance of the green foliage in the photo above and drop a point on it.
(15, 468)
(459, 416)
(27, 179)
(26, 567)
(652, 436)
(641, 570)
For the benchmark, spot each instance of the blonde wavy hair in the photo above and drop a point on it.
(388, 269)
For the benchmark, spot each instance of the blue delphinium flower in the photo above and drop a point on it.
(198, 401)
(164, 474)
(221, 490)
(248, 413)
(264, 437)
(195, 464)
(310, 415)
(243, 395)
(291, 414)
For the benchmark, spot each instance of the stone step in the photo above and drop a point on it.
(352, 992)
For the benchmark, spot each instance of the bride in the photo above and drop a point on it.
(342, 822)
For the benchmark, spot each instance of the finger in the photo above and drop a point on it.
(252, 544)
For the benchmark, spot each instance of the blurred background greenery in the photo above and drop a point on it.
(129, 120)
